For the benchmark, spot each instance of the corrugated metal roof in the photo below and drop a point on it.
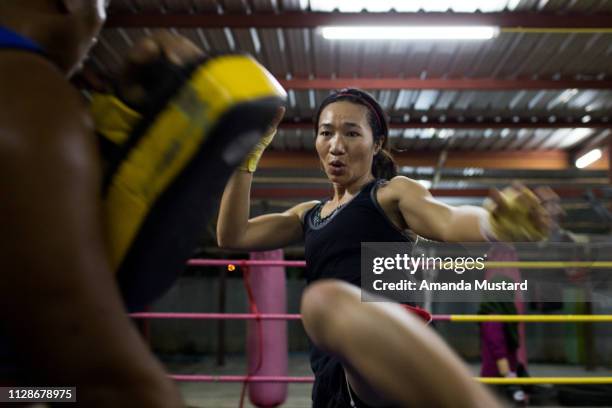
(303, 53)
(463, 139)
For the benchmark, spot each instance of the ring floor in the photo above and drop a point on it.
(227, 395)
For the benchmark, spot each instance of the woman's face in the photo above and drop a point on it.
(345, 142)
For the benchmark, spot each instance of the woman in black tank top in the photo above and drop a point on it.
(366, 354)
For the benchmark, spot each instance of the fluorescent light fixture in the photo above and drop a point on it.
(570, 137)
(473, 171)
(581, 133)
(444, 133)
(567, 95)
(409, 33)
(588, 159)
(427, 133)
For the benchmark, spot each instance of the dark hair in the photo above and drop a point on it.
(383, 165)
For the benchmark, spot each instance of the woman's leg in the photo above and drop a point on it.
(389, 354)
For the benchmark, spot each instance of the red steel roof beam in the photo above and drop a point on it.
(516, 159)
(300, 84)
(270, 193)
(489, 123)
(316, 19)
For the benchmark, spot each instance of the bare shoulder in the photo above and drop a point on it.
(37, 99)
(399, 187)
(301, 209)
(403, 182)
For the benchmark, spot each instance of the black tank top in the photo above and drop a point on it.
(333, 247)
(333, 250)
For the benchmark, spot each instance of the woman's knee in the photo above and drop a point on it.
(325, 310)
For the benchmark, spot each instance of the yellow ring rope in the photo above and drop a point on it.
(532, 318)
(545, 380)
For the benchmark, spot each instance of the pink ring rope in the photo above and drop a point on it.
(236, 316)
(243, 262)
(217, 316)
(239, 378)
(239, 316)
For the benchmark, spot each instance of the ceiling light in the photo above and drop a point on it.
(577, 134)
(473, 171)
(567, 95)
(409, 33)
(444, 133)
(588, 159)
(427, 133)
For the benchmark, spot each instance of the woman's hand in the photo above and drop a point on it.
(152, 62)
(176, 48)
(516, 214)
(250, 162)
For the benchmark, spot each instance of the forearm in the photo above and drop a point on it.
(434, 219)
(234, 209)
(465, 224)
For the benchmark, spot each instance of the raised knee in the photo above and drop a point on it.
(321, 296)
(324, 307)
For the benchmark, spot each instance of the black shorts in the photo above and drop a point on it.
(330, 386)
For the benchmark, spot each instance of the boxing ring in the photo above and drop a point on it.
(233, 264)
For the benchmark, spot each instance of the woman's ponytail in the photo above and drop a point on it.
(383, 165)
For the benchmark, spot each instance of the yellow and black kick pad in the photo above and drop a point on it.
(166, 165)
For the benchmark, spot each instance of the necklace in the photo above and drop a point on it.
(335, 210)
